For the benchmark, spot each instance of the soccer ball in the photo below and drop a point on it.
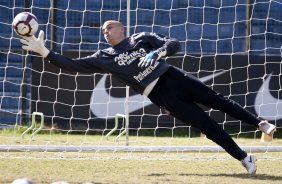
(22, 181)
(25, 24)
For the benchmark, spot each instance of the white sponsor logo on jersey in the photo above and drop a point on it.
(126, 58)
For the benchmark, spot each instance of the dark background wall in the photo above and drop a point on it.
(65, 98)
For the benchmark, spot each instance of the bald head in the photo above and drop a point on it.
(113, 32)
(112, 22)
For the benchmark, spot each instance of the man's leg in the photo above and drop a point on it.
(190, 88)
(208, 97)
(171, 92)
(193, 115)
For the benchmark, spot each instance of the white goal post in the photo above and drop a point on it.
(232, 46)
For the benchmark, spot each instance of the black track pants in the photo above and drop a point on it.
(179, 93)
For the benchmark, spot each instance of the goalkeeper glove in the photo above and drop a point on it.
(35, 44)
(151, 58)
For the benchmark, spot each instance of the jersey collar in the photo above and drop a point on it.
(123, 45)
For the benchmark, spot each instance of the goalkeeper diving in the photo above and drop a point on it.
(137, 61)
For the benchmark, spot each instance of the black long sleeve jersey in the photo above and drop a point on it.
(122, 60)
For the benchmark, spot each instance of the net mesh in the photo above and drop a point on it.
(232, 46)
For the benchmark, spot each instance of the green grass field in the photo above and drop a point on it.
(139, 171)
(130, 167)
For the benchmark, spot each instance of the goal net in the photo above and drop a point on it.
(232, 46)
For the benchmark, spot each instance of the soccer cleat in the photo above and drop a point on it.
(250, 164)
(266, 127)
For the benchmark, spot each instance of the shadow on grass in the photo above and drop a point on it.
(243, 176)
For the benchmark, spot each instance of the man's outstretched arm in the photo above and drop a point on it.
(84, 65)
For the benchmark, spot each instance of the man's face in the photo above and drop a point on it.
(113, 32)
